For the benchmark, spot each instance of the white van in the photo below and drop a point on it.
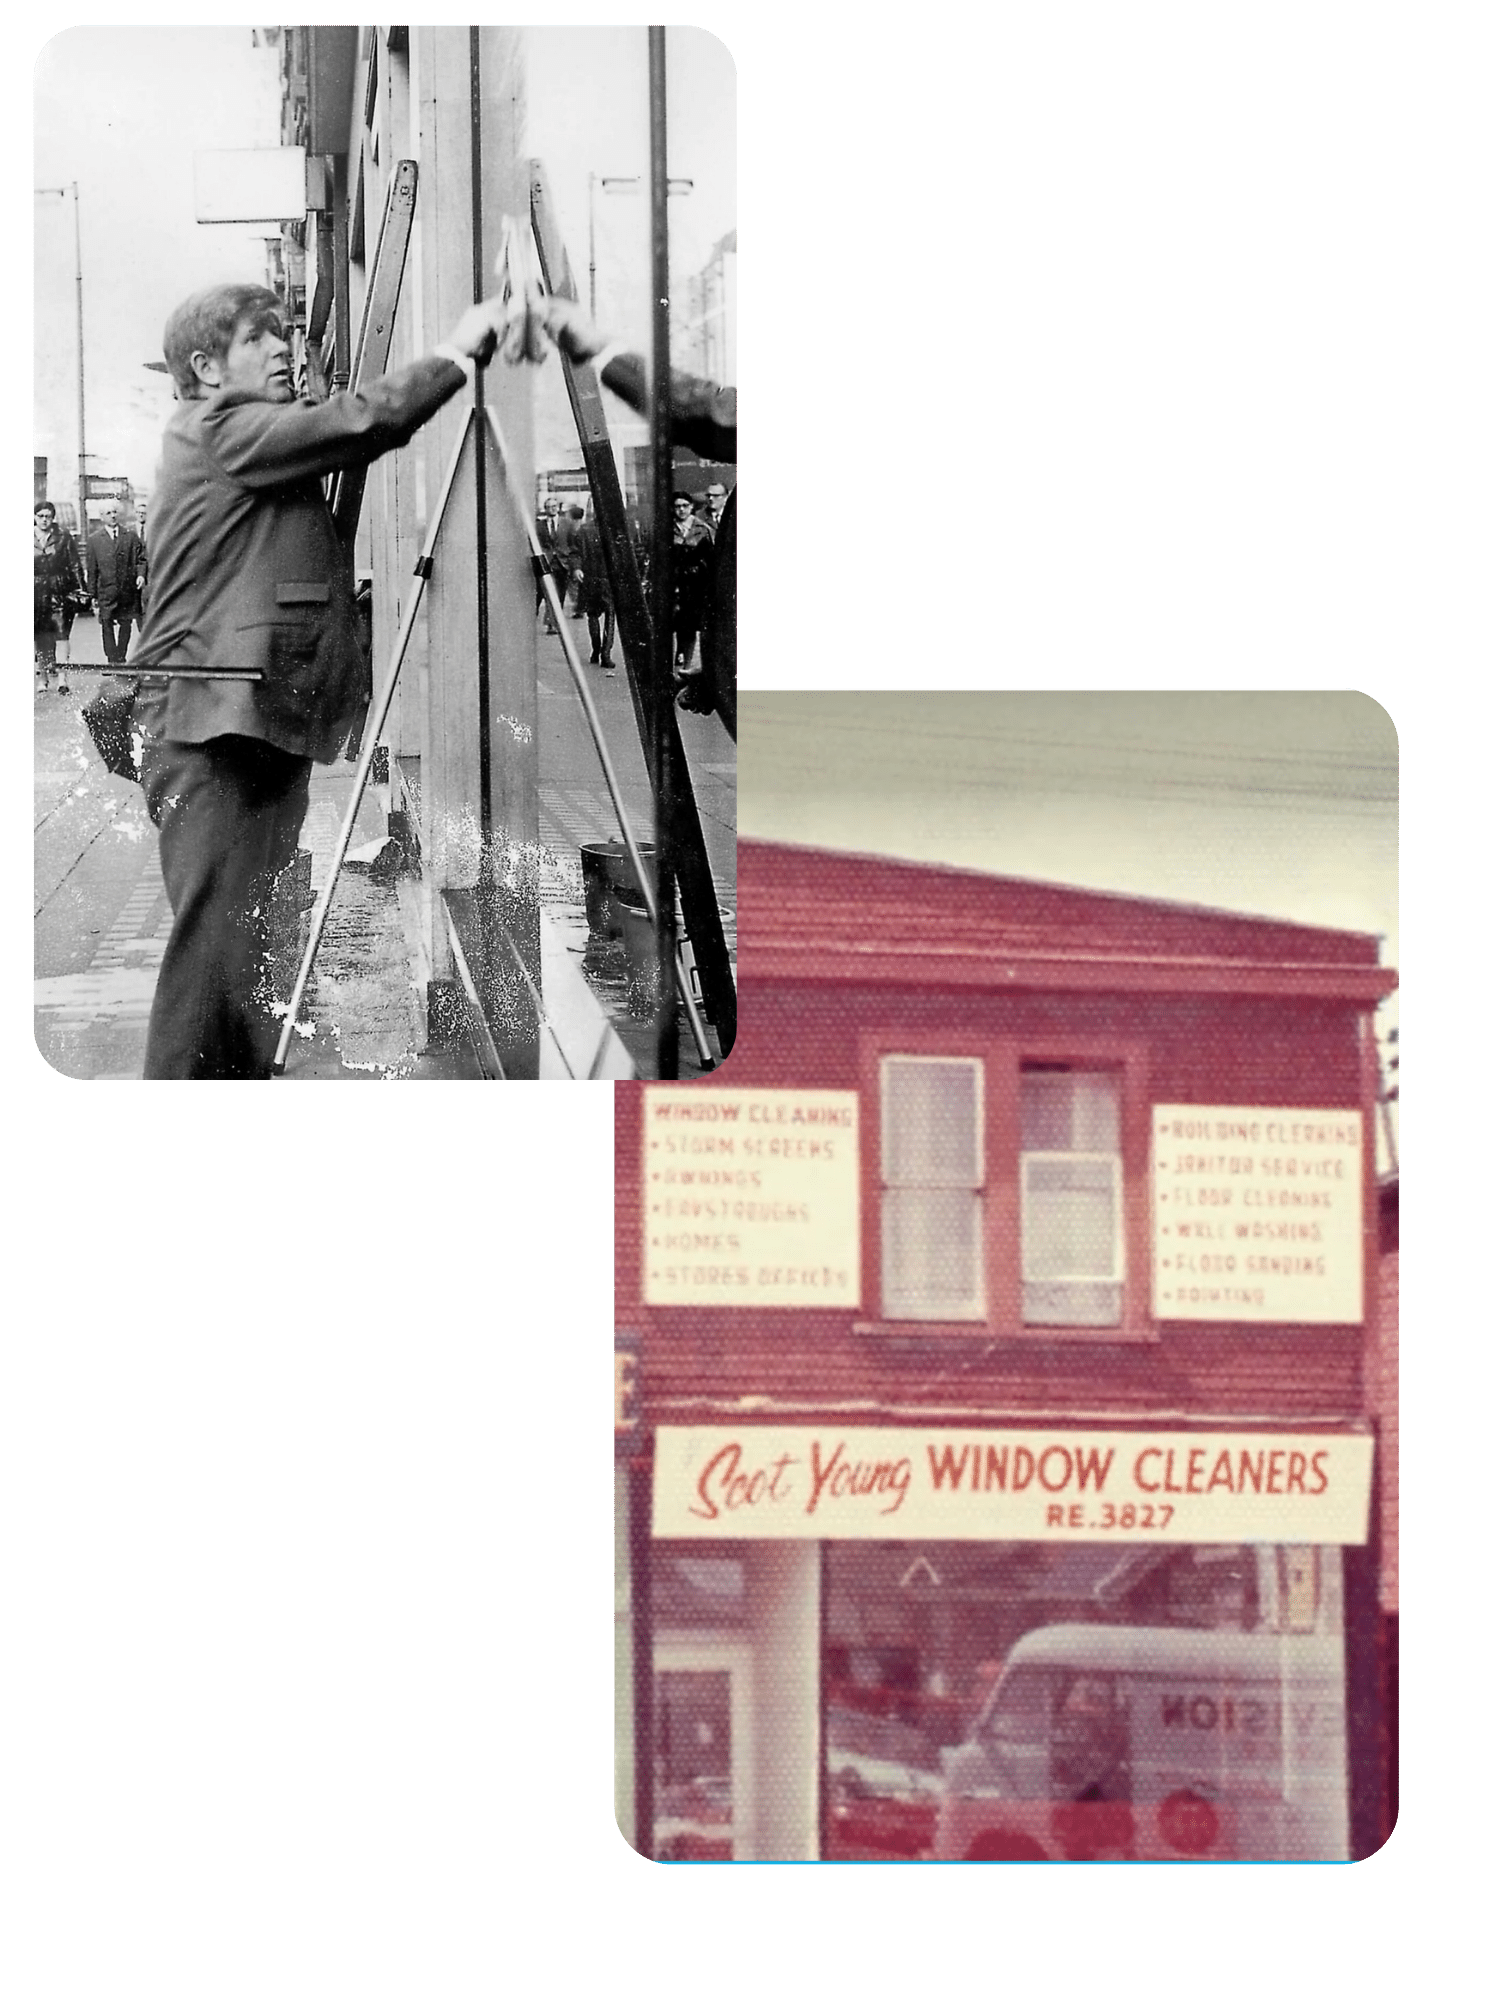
(1104, 1741)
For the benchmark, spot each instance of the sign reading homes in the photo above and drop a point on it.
(754, 1481)
(751, 1198)
(1257, 1214)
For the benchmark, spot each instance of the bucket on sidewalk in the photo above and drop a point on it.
(607, 873)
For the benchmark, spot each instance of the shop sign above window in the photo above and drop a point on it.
(1258, 1214)
(751, 1198)
(754, 1481)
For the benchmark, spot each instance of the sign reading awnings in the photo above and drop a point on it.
(755, 1482)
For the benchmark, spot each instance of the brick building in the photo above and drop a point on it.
(995, 1452)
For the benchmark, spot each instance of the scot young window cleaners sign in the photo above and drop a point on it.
(740, 1481)
(751, 1198)
(1257, 1214)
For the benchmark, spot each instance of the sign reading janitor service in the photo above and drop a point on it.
(753, 1481)
(1257, 1214)
(751, 1198)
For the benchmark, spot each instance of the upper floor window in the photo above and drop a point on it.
(1070, 1197)
(1004, 1193)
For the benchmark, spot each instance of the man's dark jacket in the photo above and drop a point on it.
(112, 568)
(247, 567)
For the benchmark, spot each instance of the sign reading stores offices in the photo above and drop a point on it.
(760, 1482)
(1258, 1214)
(752, 1198)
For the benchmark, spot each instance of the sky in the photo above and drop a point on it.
(1280, 804)
(123, 110)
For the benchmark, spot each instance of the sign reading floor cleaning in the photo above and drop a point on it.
(1257, 1214)
(751, 1198)
(752, 1481)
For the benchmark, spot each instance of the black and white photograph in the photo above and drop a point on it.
(1006, 1343)
(384, 547)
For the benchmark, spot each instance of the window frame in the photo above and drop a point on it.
(1003, 1060)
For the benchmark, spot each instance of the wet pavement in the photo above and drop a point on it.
(102, 918)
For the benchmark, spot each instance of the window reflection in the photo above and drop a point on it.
(1082, 1702)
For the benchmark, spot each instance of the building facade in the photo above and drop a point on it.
(995, 1456)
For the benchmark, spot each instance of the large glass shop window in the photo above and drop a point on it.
(1083, 1703)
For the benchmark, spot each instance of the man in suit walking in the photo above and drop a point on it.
(249, 573)
(115, 572)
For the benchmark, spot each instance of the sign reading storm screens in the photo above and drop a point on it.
(1257, 1214)
(751, 1198)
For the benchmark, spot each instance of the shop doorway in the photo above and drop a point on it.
(703, 1768)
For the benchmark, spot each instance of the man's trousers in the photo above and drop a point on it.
(228, 814)
(115, 632)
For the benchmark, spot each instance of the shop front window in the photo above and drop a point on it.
(1082, 1702)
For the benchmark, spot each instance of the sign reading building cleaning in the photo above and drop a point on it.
(751, 1198)
(753, 1481)
(1257, 1214)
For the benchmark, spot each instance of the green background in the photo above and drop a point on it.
(1131, 345)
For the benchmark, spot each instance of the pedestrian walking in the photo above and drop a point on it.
(545, 526)
(58, 594)
(113, 571)
(567, 553)
(703, 419)
(595, 597)
(692, 562)
(249, 571)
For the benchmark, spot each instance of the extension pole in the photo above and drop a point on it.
(377, 715)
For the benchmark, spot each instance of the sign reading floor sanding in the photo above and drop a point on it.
(1257, 1214)
(751, 1198)
(753, 1481)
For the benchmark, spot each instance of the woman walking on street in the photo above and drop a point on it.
(692, 565)
(58, 592)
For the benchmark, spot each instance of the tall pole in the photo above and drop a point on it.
(592, 255)
(663, 723)
(83, 458)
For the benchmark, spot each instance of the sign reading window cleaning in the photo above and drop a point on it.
(751, 1198)
(1257, 1214)
(753, 1481)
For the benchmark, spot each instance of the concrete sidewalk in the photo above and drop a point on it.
(102, 918)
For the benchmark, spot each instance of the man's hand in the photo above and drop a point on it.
(477, 334)
(568, 326)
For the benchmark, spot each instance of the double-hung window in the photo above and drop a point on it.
(1070, 1197)
(933, 1179)
(1004, 1192)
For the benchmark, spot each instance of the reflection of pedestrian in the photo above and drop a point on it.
(545, 527)
(248, 571)
(567, 552)
(115, 576)
(144, 568)
(692, 559)
(57, 593)
(597, 601)
(703, 419)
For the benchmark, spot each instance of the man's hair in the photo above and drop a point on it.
(207, 322)
(574, 510)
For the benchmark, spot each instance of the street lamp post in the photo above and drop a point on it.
(79, 283)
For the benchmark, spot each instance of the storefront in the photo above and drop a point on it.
(1005, 1485)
